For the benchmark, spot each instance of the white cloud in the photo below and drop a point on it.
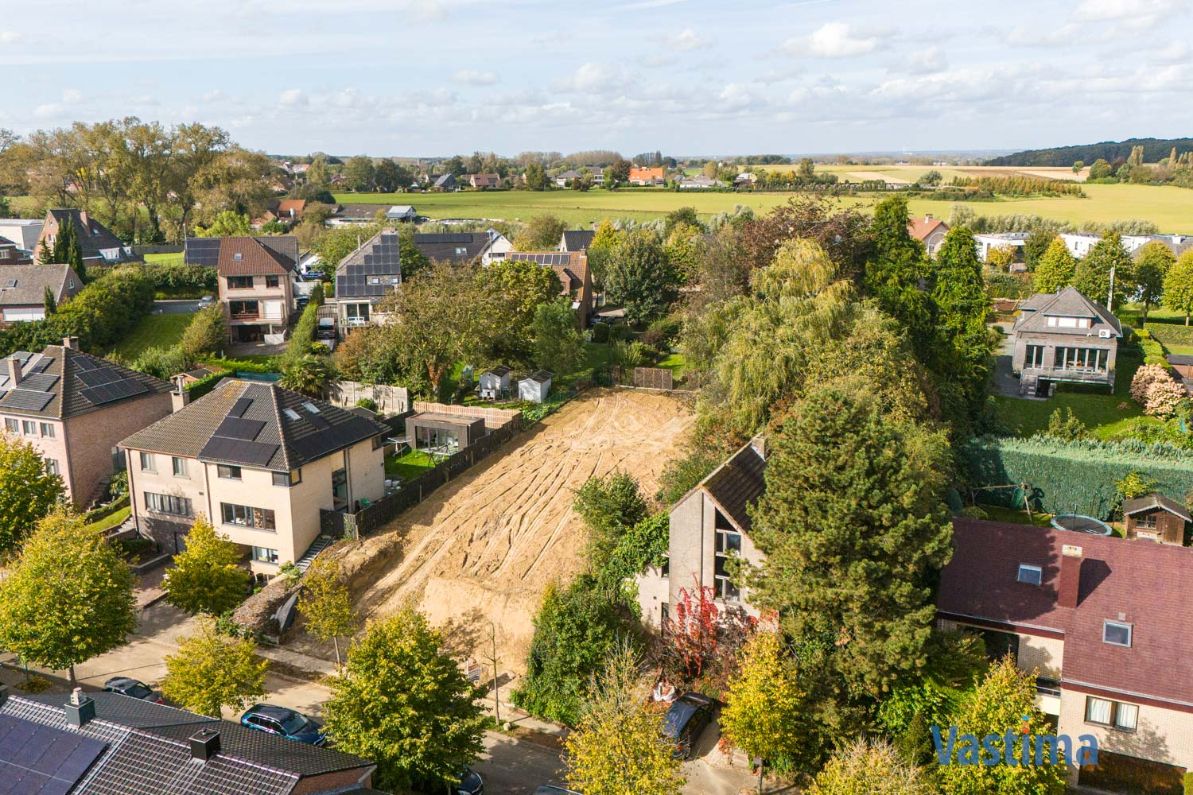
(832, 40)
(1130, 13)
(926, 61)
(593, 78)
(736, 97)
(474, 77)
(49, 110)
(292, 98)
(9, 37)
(72, 96)
(687, 39)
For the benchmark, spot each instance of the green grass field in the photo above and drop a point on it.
(164, 259)
(1170, 208)
(154, 331)
(408, 466)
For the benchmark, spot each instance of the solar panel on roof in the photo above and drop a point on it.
(40, 760)
(318, 422)
(82, 363)
(41, 365)
(240, 407)
(116, 390)
(27, 399)
(202, 251)
(239, 428)
(238, 451)
(99, 375)
(40, 382)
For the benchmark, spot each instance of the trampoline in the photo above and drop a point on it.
(1079, 523)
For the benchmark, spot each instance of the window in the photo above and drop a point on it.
(1034, 357)
(265, 555)
(47, 430)
(247, 516)
(1147, 520)
(12, 426)
(461, 251)
(1116, 633)
(244, 310)
(1088, 359)
(147, 462)
(311, 407)
(271, 281)
(1031, 575)
(179, 466)
(240, 282)
(29, 427)
(51, 466)
(292, 478)
(728, 546)
(227, 472)
(167, 503)
(1124, 717)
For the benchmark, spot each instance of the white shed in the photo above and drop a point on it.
(495, 383)
(534, 387)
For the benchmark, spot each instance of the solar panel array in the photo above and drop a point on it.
(372, 271)
(39, 760)
(204, 251)
(239, 428)
(444, 237)
(542, 258)
(27, 399)
(104, 384)
(235, 439)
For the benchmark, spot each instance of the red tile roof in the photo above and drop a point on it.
(248, 256)
(292, 207)
(1138, 582)
(642, 173)
(921, 228)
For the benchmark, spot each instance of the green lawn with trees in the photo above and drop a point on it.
(154, 331)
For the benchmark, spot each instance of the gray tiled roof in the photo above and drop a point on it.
(452, 246)
(577, 239)
(93, 236)
(1156, 500)
(372, 270)
(25, 285)
(1069, 302)
(255, 424)
(62, 382)
(737, 484)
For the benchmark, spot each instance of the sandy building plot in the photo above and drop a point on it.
(485, 547)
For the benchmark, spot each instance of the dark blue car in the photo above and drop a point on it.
(283, 722)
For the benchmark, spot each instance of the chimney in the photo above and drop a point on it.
(179, 397)
(1069, 589)
(80, 710)
(14, 371)
(927, 216)
(759, 445)
(70, 342)
(205, 744)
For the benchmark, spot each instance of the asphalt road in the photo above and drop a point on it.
(516, 767)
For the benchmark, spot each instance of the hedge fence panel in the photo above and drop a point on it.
(1072, 477)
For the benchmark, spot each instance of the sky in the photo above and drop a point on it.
(688, 77)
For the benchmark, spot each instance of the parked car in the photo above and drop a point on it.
(283, 722)
(133, 688)
(685, 722)
(471, 783)
(206, 301)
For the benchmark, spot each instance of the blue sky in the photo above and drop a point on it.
(435, 77)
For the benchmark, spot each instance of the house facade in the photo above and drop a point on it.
(365, 277)
(709, 527)
(98, 244)
(1015, 241)
(22, 231)
(1064, 337)
(575, 279)
(929, 231)
(1086, 613)
(261, 462)
(23, 290)
(640, 175)
(75, 408)
(256, 287)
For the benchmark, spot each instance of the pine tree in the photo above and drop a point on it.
(964, 345)
(895, 272)
(49, 305)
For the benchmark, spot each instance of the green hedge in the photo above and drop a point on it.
(198, 389)
(1171, 333)
(1073, 477)
(1153, 351)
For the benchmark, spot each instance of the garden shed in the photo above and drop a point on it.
(1155, 517)
(536, 386)
(442, 434)
(495, 383)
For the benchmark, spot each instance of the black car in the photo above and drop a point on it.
(471, 783)
(283, 722)
(133, 688)
(685, 722)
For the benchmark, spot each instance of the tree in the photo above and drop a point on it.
(206, 333)
(27, 491)
(206, 576)
(515, 289)
(609, 506)
(1178, 286)
(1036, 245)
(682, 216)
(838, 463)
(326, 603)
(932, 178)
(640, 278)
(872, 767)
(1056, 269)
(67, 249)
(894, 273)
(1004, 703)
(402, 702)
(575, 630)
(1078, 165)
(1094, 272)
(49, 304)
(558, 343)
(541, 232)
(308, 374)
(1100, 170)
(226, 224)
(412, 259)
(211, 671)
(1000, 257)
(1066, 425)
(360, 174)
(67, 598)
(1152, 263)
(535, 176)
(619, 746)
(764, 714)
(964, 347)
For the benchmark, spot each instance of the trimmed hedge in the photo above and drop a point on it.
(1171, 333)
(1073, 477)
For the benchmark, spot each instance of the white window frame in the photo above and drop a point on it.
(1029, 568)
(147, 462)
(178, 466)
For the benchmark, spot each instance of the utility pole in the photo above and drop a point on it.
(493, 661)
(1110, 295)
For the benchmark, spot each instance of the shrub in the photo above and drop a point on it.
(367, 403)
(661, 332)
(206, 333)
(161, 362)
(600, 333)
(609, 506)
(1163, 398)
(303, 335)
(1142, 382)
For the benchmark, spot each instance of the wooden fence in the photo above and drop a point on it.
(389, 399)
(653, 378)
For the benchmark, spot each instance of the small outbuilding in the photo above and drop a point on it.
(536, 386)
(1155, 517)
(442, 434)
(495, 383)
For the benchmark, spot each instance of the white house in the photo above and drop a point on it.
(495, 383)
(22, 231)
(401, 212)
(987, 243)
(535, 387)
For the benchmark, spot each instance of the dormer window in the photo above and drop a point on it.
(1116, 633)
(1030, 575)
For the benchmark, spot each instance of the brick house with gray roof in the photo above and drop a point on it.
(98, 244)
(23, 290)
(1063, 337)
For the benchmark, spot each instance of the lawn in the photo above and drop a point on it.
(674, 362)
(156, 330)
(409, 465)
(111, 521)
(998, 513)
(1166, 206)
(164, 259)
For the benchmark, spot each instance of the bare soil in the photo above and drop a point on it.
(483, 549)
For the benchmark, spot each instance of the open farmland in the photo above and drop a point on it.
(485, 547)
(1170, 208)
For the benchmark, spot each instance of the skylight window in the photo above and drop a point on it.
(238, 256)
(291, 413)
(1030, 575)
(1116, 633)
(311, 407)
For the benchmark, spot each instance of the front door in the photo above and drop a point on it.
(339, 489)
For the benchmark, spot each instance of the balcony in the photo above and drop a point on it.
(243, 316)
(1076, 375)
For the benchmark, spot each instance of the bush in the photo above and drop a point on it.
(303, 335)
(207, 383)
(620, 332)
(609, 506)
(181, 280)
(661, 332)
(161, 362)
(367, 403)
(1144, 378)
(206, 333)
(1153, 388)
(600, 333)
